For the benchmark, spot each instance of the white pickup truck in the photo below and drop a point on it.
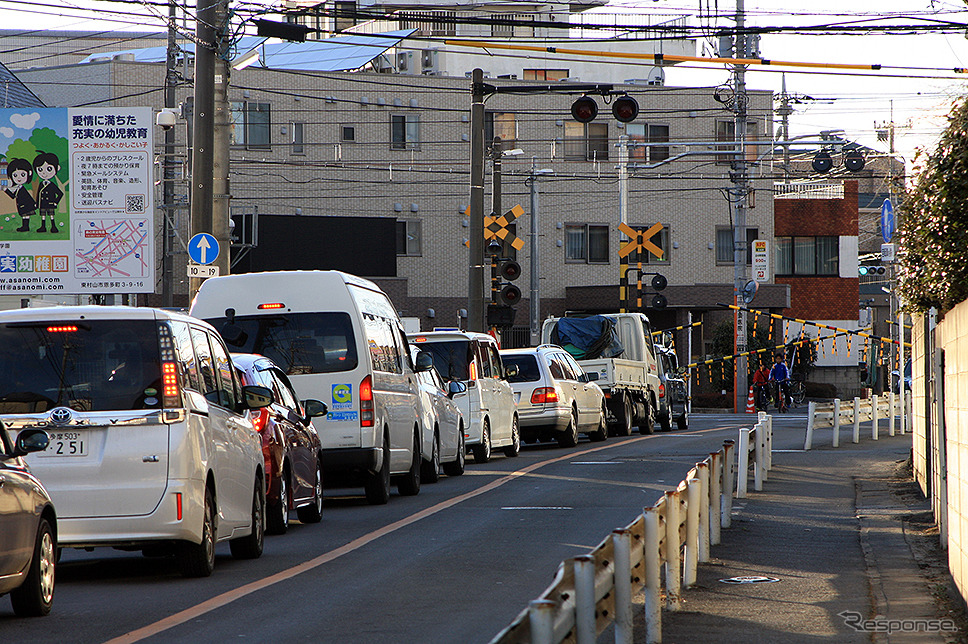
(618, 349)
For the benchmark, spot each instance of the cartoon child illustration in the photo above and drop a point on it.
(48, 193)
(21, 172)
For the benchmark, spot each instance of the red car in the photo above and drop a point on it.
(293, 459)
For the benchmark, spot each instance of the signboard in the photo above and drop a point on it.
(203, 248)
(202, 271)
(76, 212)
(887, 252)
(887, 221)
(761, 260)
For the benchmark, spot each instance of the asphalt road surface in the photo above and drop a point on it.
(454, 564)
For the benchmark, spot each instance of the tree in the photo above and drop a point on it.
(933, 227)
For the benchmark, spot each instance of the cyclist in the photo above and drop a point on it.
(780, 377)
(761, 380)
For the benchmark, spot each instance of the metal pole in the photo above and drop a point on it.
(475, 280)
(740, 178)
(534, 304)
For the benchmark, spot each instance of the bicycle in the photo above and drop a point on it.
(763, 397)
(798, 392)
(781, 396)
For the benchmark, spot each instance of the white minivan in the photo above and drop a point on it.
(149, 448)
(488, 404)
(340, 340)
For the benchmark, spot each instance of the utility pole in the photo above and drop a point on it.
(211, 80)
(475, 279)
(534, 296)
(168, 171)
(784, 112)
(740, 178)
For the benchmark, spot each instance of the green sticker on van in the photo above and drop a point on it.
(342, 396)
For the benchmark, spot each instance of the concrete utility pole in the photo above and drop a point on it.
(168, 172)
(211, 81)
(740, 178)
(475, 279)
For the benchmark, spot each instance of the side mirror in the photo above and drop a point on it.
(511, 371)
(425, 362)
(30, 440)
(257, 396)
(314, 408)
(591, 376)
(456, 387)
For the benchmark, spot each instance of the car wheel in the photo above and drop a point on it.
(647, 424)
(569, 438)
(625, 417)
(682, 421)
(278, 511)
(482, 451)
(313, 513)
(602, 432)
(377, 484)
(250, 546)
(514, 448)
(431, 468)
(198, 559)
(456, 467)
(36, 595)
(409, 485)
(665, 421)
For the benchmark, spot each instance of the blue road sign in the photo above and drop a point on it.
(203, 248)
(887, 221)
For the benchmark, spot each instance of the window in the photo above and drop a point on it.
(586, 141)
(228, 396)
(726, 131)
(405, 132)
(724, 244)
(545, 74)
(500, 124)
(515, 29)
(660, 239)
(206, 368)
(297, 139)
(250, 124)
(807, 255)
(408, 237)
(648, 133)
(347, 133)
(586, 243)
(384, 354)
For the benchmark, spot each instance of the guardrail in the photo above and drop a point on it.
(861, 410)
(592, 591)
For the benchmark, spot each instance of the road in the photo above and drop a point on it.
(454, 564)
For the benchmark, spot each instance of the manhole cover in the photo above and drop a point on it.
(752, 579)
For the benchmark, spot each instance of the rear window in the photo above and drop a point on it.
(299, 343)
(527, 367)
(87, 365)
(451, 357)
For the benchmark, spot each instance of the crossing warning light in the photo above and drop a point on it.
(625, 109)
(584, 109)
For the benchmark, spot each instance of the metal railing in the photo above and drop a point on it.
(861, 410)
(592, 591)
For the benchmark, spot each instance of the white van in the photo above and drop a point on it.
(339, 339)
(149, 445)
(488, 405)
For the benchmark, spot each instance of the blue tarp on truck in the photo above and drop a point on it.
(588, 338)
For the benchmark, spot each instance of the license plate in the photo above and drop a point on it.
(66, 444)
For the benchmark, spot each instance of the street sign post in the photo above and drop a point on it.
(202, 271)
(887, 221)
(203, 248)
(761, 260)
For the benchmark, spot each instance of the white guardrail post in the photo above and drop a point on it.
(673, 566)
(541, 616)
(875, 417)
(890, 406)
(584, 599)
(622, 545)
(703, 470)
(767, 421)
(653, 583)
(759, 447)
(856, 436)
(715, 497)
(836, 440)
(729, 478)
(742, 463)
(690, 564)
(811, 418)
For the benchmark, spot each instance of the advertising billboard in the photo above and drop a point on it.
(76, 212)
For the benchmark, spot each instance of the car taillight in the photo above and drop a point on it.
(169, 385)
(366, 402)
(661, 390)
(472, 370)
(544, 395)
(271, 305)
(259, 422)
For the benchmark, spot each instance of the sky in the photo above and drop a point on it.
(914, 94)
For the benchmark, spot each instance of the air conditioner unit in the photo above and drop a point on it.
(382, 65)
(403, 62)
(428, 60)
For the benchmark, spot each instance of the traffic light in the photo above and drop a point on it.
(871, 270)
(864, 372)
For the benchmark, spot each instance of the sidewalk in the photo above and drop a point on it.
(829, 529)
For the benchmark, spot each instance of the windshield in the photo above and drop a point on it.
(299, 343)
(451, 357)
(90, 365)
(527, 367)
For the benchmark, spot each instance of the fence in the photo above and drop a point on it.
(871, 409)
(592, 591)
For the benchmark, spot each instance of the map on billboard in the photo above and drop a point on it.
(76, 201)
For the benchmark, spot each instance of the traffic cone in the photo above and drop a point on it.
(750, 403)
